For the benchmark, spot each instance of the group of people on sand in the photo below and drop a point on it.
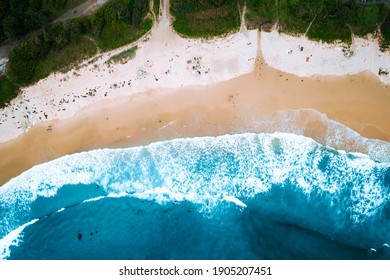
(300, 48)
(197, 68)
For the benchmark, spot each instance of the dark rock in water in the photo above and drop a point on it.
(79, 236)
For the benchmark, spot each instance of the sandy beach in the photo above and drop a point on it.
(177, 87)
(264, 101)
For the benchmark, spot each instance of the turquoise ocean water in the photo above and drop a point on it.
(244, 196)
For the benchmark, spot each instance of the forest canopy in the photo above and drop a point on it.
(205, 18)
(18, 17)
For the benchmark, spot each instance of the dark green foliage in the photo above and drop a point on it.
(365, 19)
(331, 23)
(330, 29)
(56, 8)
(8, 91)
(385, 30)
(338, 19)
(261, 13)
(58, 5)
(23, 16)
(119, 22)
(124, 56)
(23, 60)
(156, 8)
(18, 17)
(139, 10)
(296, 15)
(61, 59)
(205, 18)
(12, 28)
(4, 10)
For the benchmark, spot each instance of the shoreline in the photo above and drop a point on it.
(266, 100)
(170, 89)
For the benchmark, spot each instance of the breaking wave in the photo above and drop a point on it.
(262, 189)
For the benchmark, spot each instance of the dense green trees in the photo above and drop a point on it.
(205, 18)
(385, 32)
(18, 17)
(365, 19)
(119, 22)
(21, 16)
(262, 13)
(8, 90)
(4, 8)
(27, 55)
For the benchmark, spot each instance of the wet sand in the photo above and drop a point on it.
(262, 101)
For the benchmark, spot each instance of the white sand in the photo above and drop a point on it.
(323, 59)
(163, 60)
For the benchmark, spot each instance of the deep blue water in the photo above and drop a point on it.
(248, 196)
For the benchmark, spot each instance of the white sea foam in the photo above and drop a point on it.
(235, 201)
(118, 195)
(93, 199)
(12, 239)
(160, 195)
(329, 133)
